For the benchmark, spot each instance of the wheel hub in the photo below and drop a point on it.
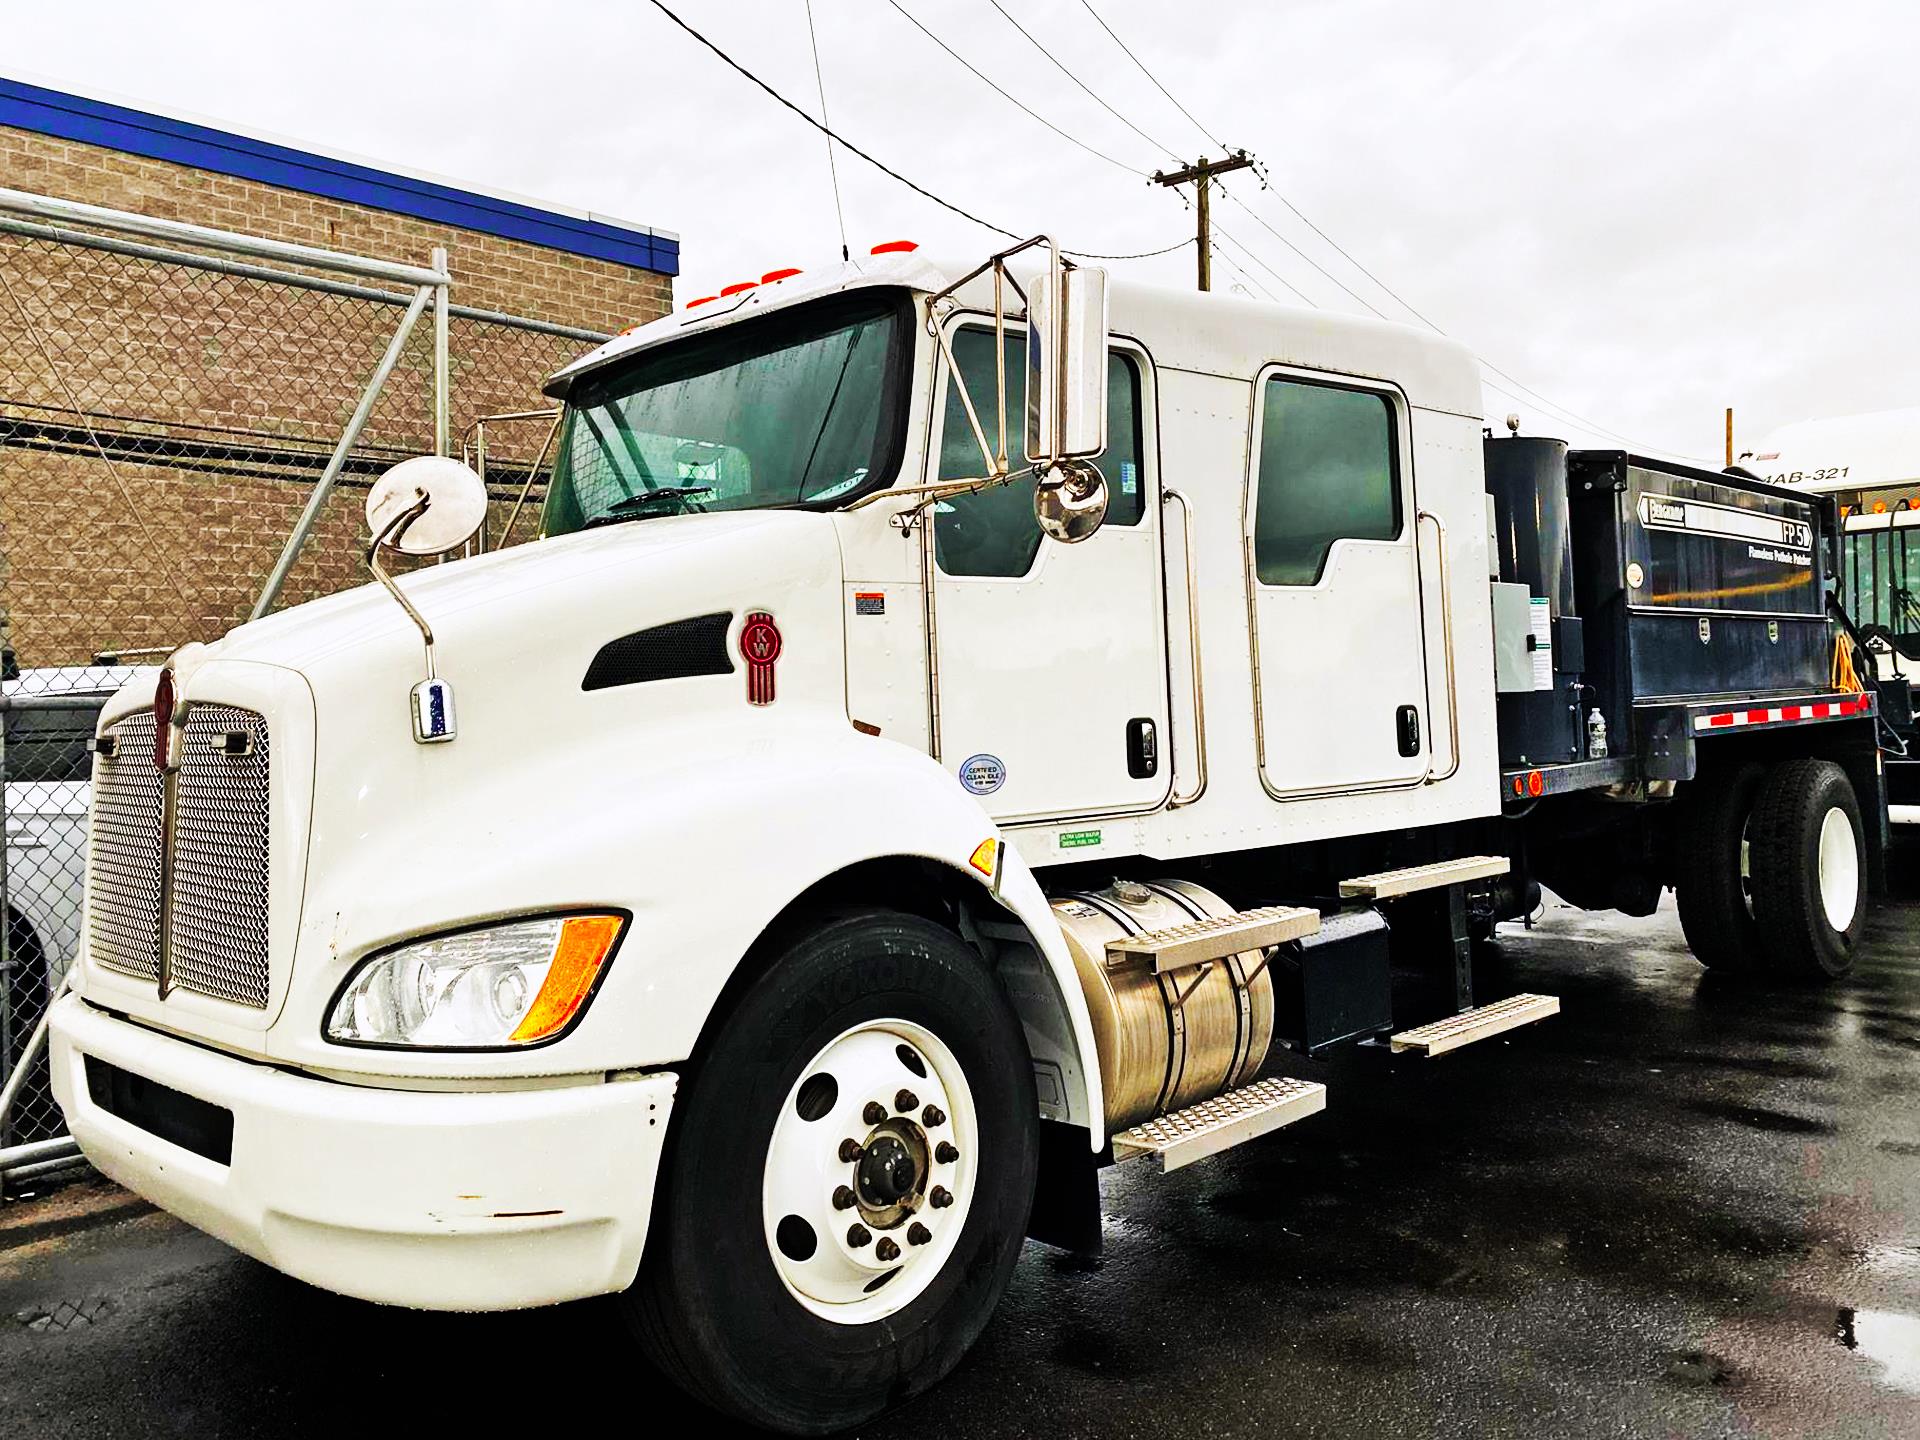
(888, 1175)
(870, 1171)
(1838, 869)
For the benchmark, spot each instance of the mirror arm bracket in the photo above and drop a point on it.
(392, 536)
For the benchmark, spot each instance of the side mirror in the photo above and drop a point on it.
(1070, 501)
(1067, 399)
(426, 506)
(1067, 365)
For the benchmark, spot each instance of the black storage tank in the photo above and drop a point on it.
(1541, 719)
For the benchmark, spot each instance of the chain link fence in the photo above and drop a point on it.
(175, 404)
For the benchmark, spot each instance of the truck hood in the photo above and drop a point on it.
(378, 838)
(454, 595)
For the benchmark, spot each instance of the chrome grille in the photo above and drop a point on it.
(218, 934)
(123, 881)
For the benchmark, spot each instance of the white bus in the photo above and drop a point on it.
(1871, 465)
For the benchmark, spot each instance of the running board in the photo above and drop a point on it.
(1389, 884)
(1197, 941)
(1471, 1025)
(1184, 1136)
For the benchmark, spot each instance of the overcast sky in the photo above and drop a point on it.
(1646, 210)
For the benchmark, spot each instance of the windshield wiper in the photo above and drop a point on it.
(638, 506)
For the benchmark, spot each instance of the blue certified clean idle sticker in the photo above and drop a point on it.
(983, 774)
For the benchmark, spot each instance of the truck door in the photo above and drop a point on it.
(1333, 574)
(1049, 674)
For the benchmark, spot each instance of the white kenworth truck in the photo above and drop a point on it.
(775, 893)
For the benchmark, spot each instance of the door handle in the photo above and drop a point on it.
(1406, 722)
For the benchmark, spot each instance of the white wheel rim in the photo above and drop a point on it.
(1746, 866)
(809, 1182)
(1839, 869)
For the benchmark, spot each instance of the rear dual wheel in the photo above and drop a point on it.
(1772, 870)
(847, 1182)
(1809, 871)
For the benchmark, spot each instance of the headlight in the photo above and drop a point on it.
(502, 986)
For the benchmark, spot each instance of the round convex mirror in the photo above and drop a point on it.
(455, 505)
(1070, 501)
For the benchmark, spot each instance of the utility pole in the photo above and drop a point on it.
(1198, 175)
(1729, 437)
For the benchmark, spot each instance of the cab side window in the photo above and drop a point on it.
(992, 532)
(1328, 471)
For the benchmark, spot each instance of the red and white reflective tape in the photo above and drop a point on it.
(1836, 709)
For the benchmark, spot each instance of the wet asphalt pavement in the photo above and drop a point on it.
(1680, 1208)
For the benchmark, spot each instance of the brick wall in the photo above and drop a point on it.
(217, 398)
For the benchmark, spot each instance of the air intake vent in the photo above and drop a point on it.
(665, 652)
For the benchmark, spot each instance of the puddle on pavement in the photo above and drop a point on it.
(1886, 1337)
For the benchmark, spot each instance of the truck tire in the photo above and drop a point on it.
(1712, 888)
(1809, 869)
(847, 1179)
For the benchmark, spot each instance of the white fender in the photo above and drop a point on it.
(705, 833)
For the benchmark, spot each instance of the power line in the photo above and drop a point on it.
(828, 131)
(1253, 256)
(1218, 142)
(1337, 247)
(1010, 98)
(1138, 254)
(1097, 99)
(880, 165)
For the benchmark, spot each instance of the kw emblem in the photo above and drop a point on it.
(759, 647)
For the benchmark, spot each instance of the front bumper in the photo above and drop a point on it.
(442, 1200)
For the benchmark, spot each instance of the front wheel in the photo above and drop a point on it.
(847, 1181)
(1809, 869)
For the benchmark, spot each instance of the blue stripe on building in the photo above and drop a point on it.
(160, 137)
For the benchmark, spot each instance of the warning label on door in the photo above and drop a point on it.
(1540, 621)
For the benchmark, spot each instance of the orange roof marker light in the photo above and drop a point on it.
(894, 247)
(739, 287)
(703, 300)
(773, 277)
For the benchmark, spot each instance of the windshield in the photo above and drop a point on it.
(802, 407)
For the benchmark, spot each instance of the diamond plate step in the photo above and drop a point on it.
(1218, 1124)
(1471, 1025)
(1390, 883)
(1198, 941)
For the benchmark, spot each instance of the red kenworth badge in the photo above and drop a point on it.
(163, 706)
(759, 647)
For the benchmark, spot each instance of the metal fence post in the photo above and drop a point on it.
(442, 417)
(6, 905)
(303, 527)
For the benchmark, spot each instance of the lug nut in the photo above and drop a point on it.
(945, 1153)
(906, 1102)
(933, 1116)
(844, 1199)
(874, 1113)
(940, 1197)
(858, 1236)
(886, 1249)
(849, 1151)
(918, 1234)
